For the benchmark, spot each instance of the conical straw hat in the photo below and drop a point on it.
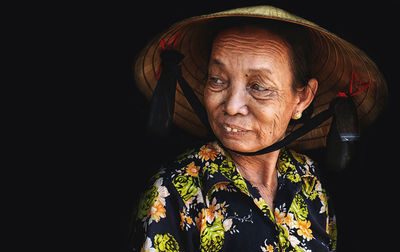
(335, 63)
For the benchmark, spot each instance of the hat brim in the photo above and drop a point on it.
(333, 62)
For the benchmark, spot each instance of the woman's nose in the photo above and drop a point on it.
(236, 102)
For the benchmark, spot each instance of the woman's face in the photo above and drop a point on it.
(248, 95)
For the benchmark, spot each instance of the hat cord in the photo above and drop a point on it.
(309, 125)
(163, 100)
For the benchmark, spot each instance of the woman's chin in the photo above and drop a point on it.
(240, 146)
(243, 141)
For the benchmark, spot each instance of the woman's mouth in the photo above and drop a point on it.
(234, 130)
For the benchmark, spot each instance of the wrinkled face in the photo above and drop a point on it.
(248, 95)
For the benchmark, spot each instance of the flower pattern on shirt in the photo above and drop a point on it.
(200, 202)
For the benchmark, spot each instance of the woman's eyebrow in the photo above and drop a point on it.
(264, 73)
(260, 70)
(216, 62)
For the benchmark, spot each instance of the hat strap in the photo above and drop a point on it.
(194, 101)
(163, 100)
(307, 127)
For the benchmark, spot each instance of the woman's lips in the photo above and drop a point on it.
(233, 129)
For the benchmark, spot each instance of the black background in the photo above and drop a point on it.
(365, 195)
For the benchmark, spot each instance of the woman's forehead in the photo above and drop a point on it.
(249, 40)
(248, 44)
(248, 37)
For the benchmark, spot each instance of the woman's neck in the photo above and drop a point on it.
(261, 172)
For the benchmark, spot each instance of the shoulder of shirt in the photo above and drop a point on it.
(307, 166)
(183, 173)
(197, 156)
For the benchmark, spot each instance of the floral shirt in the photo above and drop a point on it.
(201, 202)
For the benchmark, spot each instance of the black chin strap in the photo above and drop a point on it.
(307, 127)
(163, 100)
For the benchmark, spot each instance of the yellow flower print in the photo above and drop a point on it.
(260, 202)
(270, 248)
(182, 220)
(162, 191)
(157, 211)
(267, 248)
(218, 148)
(186, 221)
(147, 246)
(200, 220)
(223, 206)
(207, 152)
(322, 196)
(290, 221)
(153, 202)
(213, 211)
(279, 216)
(227, 224)
(189, 220)
(223, 186)
(294, 241)
(304, 229)
(192, 169)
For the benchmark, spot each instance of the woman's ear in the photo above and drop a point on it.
(306, 95)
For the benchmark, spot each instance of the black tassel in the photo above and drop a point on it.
(163, 99)
(342, 136)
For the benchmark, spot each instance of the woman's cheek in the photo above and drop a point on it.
(271, 124)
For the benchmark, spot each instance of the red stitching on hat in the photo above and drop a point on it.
(168, 45)
(171, 43)
(360, 86)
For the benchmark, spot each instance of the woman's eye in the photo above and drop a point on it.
(216, 84)
(216, 80)
(258, 87)
(261, 92)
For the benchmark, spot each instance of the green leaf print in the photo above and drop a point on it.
(213, 168)
(299, 208)
(228, 169)
(186, 186)
(212, 236)
(283, 238)
(165, 243)
(308, 187)
(145, 203)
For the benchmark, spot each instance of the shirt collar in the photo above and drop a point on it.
(218, 167)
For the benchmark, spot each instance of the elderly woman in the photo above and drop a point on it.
(247, 191)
